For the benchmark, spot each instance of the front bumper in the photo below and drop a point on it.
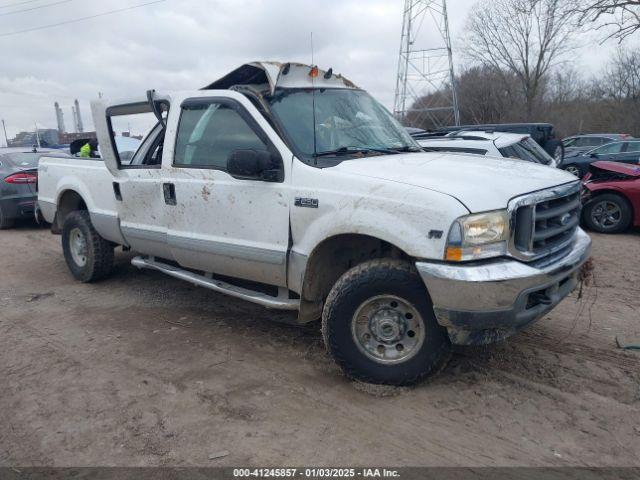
(485, 302)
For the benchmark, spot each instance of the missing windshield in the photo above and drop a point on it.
(337, 123)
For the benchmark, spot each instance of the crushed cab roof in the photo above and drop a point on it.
(280, 75)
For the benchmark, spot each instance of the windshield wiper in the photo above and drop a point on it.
(354, 150)
(408, 149)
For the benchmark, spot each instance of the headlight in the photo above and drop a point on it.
(478, 236)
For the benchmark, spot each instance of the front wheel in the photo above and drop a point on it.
(608, 213)
(574, 170)
(378, 325)
(88, 255)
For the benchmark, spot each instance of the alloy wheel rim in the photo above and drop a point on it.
(78, 247)
(388, 329)
(606, 214)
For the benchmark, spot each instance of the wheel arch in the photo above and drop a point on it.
(68, 201)
(333, 257)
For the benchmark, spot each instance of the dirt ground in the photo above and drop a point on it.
(143, 370)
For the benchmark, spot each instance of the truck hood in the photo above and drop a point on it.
(481, 184)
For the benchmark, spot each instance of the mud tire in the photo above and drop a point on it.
(99, 252)
(364, 282)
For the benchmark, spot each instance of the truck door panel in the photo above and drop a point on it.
(137, 185)
(141, 208)
(221, 224)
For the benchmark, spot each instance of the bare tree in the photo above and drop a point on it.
(524, 38)
(486, 97)
(621, 81)
(622, 15)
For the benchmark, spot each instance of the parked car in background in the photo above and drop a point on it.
(495, 144)
(542, 133)
(611, 197)
(624, 152)
(18, 178)
(584, 143)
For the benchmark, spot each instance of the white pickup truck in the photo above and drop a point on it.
(290, 187)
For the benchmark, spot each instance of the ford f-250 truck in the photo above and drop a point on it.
(290, 187)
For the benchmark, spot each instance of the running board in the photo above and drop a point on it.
(281, 302)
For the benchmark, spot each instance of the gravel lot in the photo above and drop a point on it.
(144, 370)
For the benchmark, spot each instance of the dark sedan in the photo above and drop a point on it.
(584, 143)
(18, 179)
(624, 152)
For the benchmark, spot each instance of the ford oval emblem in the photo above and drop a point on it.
(565, 219)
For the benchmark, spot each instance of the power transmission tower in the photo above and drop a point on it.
(425, 89)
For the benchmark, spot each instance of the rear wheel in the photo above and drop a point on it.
(88, 255)
(608, 213)
(5, 222)
(378, 324)
(555, 148)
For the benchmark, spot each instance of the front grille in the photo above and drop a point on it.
(546, 223)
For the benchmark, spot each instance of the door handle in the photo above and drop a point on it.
(116, 191)
(169, 190)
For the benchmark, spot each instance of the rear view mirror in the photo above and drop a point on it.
(254, 164)
(594, 155)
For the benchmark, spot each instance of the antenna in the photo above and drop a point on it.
(313, 104)
(425, 87)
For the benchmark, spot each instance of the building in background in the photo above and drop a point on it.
(67, 138)
(48, 138)
(59, 118)
(77, 117)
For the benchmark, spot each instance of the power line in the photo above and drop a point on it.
(18, 3)
(75, 20)
(34, 8)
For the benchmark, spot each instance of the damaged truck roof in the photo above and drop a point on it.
(281, 75)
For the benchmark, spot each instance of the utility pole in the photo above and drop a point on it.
(6, 139)
(425, 86)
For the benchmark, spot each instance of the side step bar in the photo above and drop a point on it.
(281, 302)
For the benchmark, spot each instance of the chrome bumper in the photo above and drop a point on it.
(486, 302)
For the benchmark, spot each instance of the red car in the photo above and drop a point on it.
(611, 197)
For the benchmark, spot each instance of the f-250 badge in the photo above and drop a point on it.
(306, 202)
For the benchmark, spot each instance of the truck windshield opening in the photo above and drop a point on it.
(342, 123)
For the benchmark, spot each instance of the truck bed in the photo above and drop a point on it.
(88, 178)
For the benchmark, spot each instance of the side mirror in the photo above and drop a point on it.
(254, 164)
(594, 155)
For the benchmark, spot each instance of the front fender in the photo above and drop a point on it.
(413, 219)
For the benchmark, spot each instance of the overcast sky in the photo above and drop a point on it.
(185, 44)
